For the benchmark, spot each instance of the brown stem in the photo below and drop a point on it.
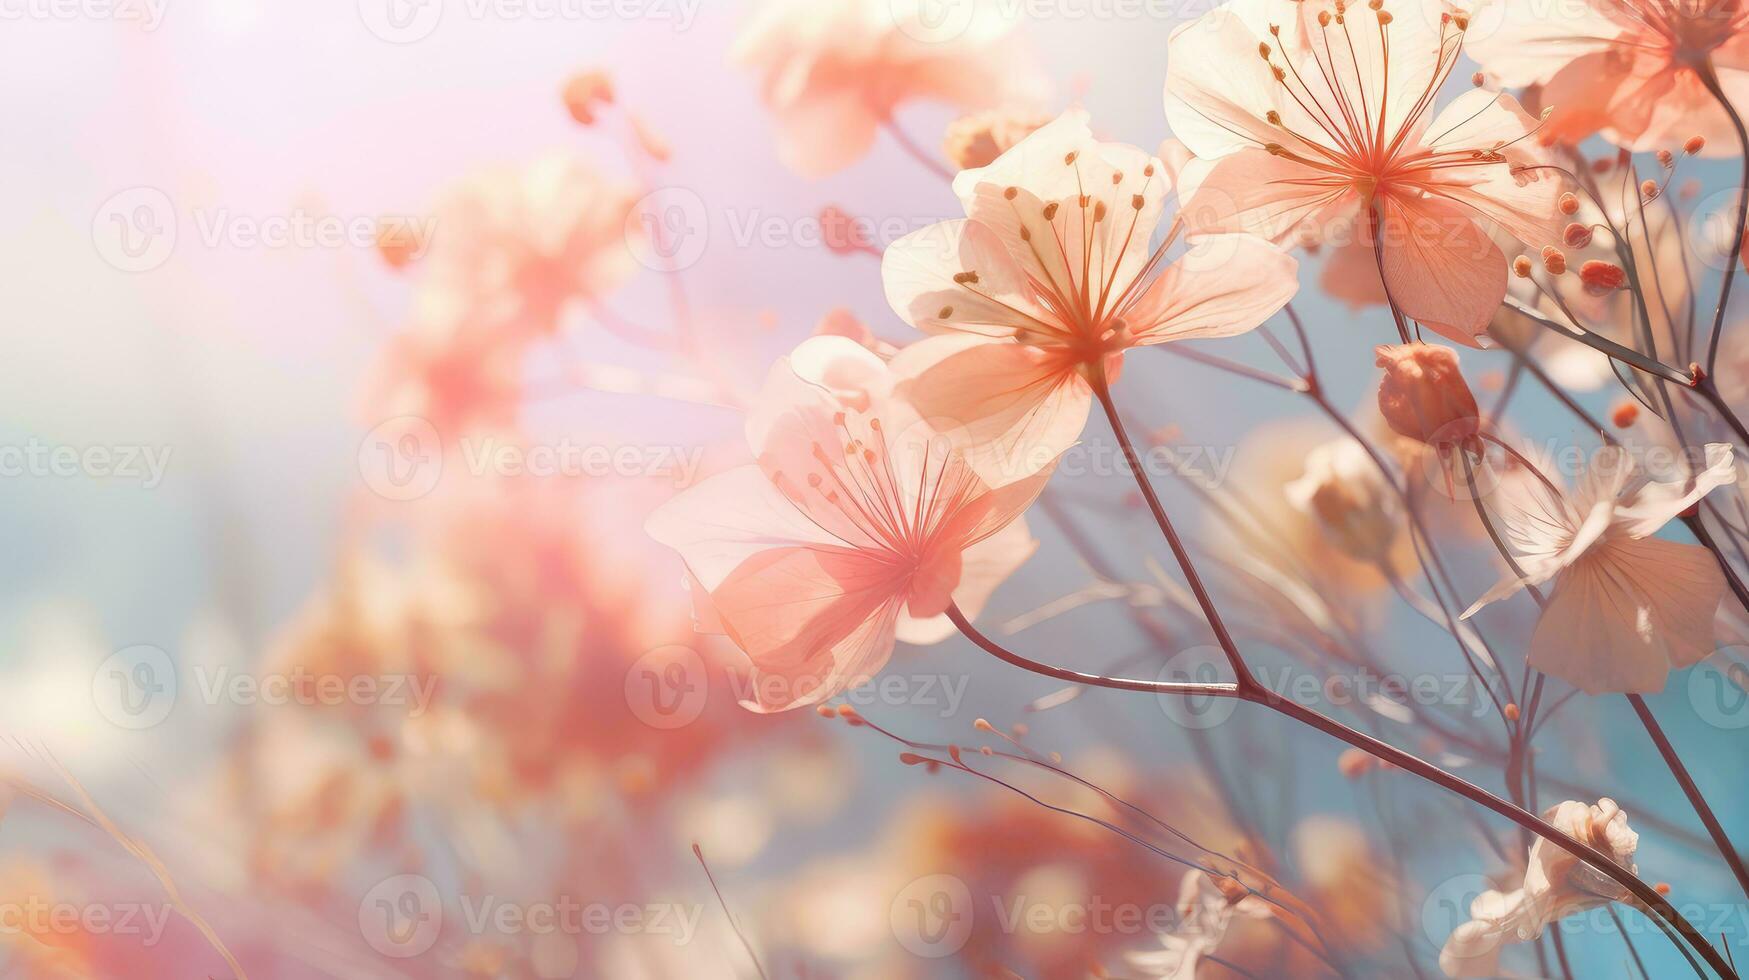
(1378, 251)
(1709, 390)
(1103, 390)
(1710, 79)
(1709, 819)
(1250, 690)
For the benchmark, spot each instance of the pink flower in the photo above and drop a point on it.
(1556, 885)
(514, 248)
(1630, 69)
(835, 70)
(1312, 120)
(460, 380)
(1048, 280)
(509, 255)
(1626, 607)
(856, 526)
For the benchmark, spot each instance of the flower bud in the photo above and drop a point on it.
(399, 244)
(1554, 260)
(1602, 278)
(1354, 763)
(584, 92)
(840, 232)
(1424, 396)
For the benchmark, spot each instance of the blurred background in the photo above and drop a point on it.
(350, 343)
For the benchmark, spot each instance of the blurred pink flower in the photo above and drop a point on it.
(1311, 124)
(509, 254)
(515, 246)
(1556, 885)
(855, 527)
(1050, 278)
(460, 380)
(1631, 69)
(1626, 607)
(834, 71)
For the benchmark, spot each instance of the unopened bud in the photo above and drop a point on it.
(1554, 260)
(1423, 395)
(1602, 278)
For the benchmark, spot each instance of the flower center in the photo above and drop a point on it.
(1349, 132)
(883, 502)
(1692, 29)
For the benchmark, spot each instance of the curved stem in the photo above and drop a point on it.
(1251, 691)
(1707, 818)
(1710, 391)
(1603, 345)
(1103, 390)
(1705, 537)
(1378, 252)
(916, 152)
(1710, 79)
